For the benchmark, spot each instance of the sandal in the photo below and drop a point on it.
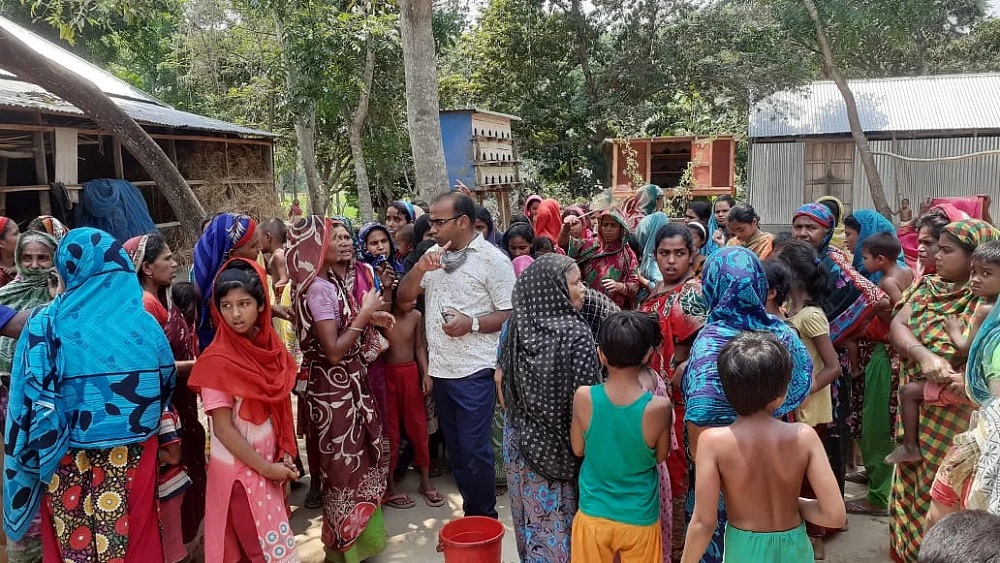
(399, 501)
(862, 506)
(314, 499)
(860, 477)
(433, 497)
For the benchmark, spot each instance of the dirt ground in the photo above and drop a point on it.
(413, 532)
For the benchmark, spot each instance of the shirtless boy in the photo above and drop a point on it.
(272, 244)
(407, 383)
(759, 464)
(880, 253)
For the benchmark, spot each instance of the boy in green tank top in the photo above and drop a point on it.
(759, 464)
(622, 432)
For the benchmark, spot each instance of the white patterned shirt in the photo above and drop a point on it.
(482, 285)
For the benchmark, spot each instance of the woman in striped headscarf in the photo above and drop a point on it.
(228, 235)
(918, 330)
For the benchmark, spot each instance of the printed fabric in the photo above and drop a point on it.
(872, 222)
(547, 354)
(851, 297)
(354, 456)
(371, 259)
(761, 244)
(735, 291)
(645, 235)
(600, 260)
(92, 370)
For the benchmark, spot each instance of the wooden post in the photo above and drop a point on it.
(66, 153)
(41, 172)
(172, 146)
(119, 163)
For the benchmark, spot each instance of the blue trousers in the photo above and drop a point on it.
(465, 414)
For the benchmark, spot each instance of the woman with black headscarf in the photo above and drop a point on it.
(548, 352)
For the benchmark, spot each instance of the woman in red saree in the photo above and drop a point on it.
(681, 311)
(334, 316)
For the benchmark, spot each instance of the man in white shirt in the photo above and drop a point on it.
(468, 284)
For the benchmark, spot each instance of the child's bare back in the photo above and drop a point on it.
(762, 463)
(404, 338)
(894, 282)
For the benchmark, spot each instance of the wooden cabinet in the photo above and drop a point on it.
(665, 160)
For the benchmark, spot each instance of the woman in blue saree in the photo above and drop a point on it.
(735, 291)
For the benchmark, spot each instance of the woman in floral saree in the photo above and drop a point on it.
(607, 263)
(677, 302)
(334, 312)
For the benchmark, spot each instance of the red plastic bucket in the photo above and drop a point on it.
(473, 539)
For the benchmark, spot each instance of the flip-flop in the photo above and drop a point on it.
(432, 497)
(862, 506)
(399, 501)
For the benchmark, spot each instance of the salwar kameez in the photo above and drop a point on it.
(542, 510)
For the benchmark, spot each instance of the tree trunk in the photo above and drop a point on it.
(357, 123)
(864, 150)
(420, 67)
(304, 118)
(32, 67)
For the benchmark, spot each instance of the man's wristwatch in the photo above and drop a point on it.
(475, 324)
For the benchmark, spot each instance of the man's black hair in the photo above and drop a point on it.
(461, 205)
(883, 244)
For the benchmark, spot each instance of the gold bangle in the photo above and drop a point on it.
(910, 349)
(361, 330)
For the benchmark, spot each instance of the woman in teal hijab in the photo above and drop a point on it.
(645, 235)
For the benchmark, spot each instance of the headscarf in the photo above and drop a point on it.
(588, 230)
(839, 238)
(548, 220)
(420, 228)
(521, 264)
(646, 197)
(597, 258)
(645, 235)
(50, 225)
(226, 232)
(29, 290)
(92, 370)
(711, 247)
(258, 370)
(547, 354)
(371, 259)
(872, 222)
(597, 307)
(527, 204)
(981, 367)
(411, 210)
(735, 291)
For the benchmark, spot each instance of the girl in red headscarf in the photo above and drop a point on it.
(245, 377)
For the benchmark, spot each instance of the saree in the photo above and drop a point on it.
(354, 456)
(761, 244)
(226, 232)
(932, 301)
(547, 353)
(680, 312)
(63, 394)
(952, 208)
(599, 261)
(735, 291)
(851, 298)
(645, 235)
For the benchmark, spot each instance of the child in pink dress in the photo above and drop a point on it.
(245, 378)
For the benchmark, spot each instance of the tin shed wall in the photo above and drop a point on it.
(918, 180)
(776, 182)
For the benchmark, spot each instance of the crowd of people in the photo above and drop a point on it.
(646, 387)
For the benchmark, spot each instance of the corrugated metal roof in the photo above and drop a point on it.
(139, 105)
(922, 103)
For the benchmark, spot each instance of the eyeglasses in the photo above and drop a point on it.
(443, 222)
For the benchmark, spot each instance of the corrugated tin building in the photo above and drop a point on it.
(46, 140)
(801, 146)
